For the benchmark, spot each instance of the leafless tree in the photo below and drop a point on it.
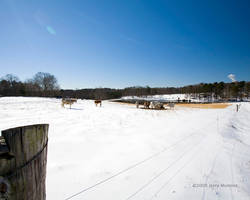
(46, 81)
(12, 79)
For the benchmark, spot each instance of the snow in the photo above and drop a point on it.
(170, 98)
(172, 154)
(163, 97)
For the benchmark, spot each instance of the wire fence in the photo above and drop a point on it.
(131, 167)
(11, 174)
(196, 132)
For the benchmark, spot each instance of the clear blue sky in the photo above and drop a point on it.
(120, 43)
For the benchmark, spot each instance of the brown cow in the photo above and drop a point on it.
(98, 102)
(146, 104)
(68, 101)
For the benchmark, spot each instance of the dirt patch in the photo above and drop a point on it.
(205, 106)
(188, 105)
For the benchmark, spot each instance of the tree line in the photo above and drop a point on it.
(46, 85)
(41, 85)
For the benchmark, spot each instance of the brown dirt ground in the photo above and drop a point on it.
(205, 106)
(192, 105)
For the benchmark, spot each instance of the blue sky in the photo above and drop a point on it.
(120, 43)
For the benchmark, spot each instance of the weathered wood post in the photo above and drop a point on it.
(23, 161)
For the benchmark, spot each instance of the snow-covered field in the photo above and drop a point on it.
(118, 152)
(164, 97)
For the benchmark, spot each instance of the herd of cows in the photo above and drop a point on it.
(146, 104)
(156, 105)
(70, 101)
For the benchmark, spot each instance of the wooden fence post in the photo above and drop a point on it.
(23, 161)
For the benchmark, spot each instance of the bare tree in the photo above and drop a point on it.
(12, 79)
(46, 81)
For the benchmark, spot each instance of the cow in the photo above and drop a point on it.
(146, 104)
(156, 105)
(98, 102)
(68, 101)
(137, 104)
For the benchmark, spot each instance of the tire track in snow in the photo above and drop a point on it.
(175, 174)
(133, 166)
(231, 169)
(213, 164)
(211, 171)
(163, 171)
(180, 169)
